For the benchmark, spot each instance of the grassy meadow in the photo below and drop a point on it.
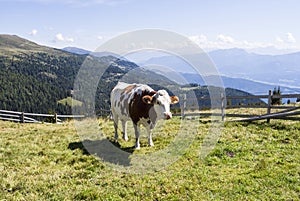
(251, 161)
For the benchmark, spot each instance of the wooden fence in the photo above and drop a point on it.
(286, 112)
(23, 117)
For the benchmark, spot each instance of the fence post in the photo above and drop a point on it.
(269, 104)
(22, 118)
(223, 106)
(183, 107)
(55, 118)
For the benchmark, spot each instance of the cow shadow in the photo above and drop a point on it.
(105, 149)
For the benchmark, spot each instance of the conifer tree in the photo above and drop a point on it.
(276, 101)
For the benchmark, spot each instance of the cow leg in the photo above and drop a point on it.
(124, 132)
(150, 142)
(116, 126)
(137, 136)
(149, 131)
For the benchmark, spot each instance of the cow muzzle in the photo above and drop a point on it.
(167, 115)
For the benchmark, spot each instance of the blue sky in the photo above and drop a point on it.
(256, 25)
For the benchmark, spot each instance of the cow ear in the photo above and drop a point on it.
(152, 93)
(147, 99)
(174, 99)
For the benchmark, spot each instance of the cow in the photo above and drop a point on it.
(140, 104)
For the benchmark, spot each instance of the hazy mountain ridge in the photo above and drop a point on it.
(76, 50)
(274, 70)
(253, 87)
(278, 69)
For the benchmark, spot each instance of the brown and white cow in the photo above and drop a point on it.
(141, 104)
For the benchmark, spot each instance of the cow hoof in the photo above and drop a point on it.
(137, 148)
(125, 138)
(150, 142)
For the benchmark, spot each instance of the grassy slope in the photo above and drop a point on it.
(11, 45)
(254, 161)
(70, 101)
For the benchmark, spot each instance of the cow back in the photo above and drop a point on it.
(126, 101)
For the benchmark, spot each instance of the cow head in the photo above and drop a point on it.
(161, 102)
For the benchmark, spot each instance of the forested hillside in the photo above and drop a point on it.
(34, 78)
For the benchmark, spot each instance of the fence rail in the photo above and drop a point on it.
(288, 112)
(24, 117)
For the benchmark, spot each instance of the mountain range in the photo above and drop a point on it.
(239, 69)
(239, 65)
(281, 70)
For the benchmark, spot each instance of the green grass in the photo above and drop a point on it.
(251, 161)
(69, 101)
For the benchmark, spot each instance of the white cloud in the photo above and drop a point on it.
(60, 37)
(222, 41)
(225, 39)
(100, 37)
(33, 32)
(198, 38)
(290, 38)
(202, 41)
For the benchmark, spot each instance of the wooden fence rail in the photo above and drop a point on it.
(288, 112)
(23, 117)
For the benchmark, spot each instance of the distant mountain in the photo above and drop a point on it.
(76, 50)
(246, 69)
(250, 86)
(80, 51)
(275, 70)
